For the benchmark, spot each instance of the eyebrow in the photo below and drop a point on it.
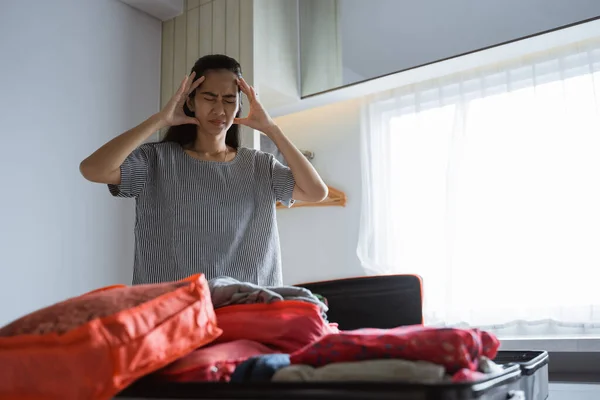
(229, 96)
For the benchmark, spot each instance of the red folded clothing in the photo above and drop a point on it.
(453, 348)
(250, 330)
(284, 326)
(213, 363)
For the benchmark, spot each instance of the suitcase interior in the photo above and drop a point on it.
(497, 387)
(397, 300)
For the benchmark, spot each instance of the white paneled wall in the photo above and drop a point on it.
(208, 27)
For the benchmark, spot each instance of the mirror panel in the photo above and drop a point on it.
(343, 42)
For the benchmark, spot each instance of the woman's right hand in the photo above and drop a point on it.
(103, 166)
(172, 114)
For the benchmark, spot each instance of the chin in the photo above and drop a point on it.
(215, 130)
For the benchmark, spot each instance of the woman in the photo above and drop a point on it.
(204, 204)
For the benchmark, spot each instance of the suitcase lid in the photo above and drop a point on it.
(373, 301)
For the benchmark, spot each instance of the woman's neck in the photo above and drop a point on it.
(209, 145)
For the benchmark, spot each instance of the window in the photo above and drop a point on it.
(487, 185)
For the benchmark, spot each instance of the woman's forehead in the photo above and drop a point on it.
(220, 79)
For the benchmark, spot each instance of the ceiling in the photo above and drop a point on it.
(161, 9)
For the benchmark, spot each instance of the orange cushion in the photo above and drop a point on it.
(93, 346)
(102, 289)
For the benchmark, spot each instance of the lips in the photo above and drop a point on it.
(217, 122)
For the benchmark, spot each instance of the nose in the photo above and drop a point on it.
(218, 108)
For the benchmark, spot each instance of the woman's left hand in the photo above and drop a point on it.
(257, 118)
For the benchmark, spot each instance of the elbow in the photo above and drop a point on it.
(319, 193)
(86, 170)
(324, 192)
(91, 172)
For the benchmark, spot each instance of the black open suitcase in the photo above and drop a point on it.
(375, 302)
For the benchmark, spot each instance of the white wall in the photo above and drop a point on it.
(385, 36)
(320, 242)
(73, 74)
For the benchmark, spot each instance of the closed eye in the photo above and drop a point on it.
(213, 99)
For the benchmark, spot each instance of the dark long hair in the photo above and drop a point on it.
(185, 134)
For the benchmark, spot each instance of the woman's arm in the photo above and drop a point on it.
(103, 166)
(308, 184)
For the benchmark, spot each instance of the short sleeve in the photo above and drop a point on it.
(283, 182)
(134, 174)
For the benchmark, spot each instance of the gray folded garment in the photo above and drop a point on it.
(227, 291)
(365, 371)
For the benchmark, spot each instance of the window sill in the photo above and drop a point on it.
(553, 344)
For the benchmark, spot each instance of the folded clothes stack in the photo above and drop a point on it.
(281, 334)
(414, 354)
(255, 321)
(226, 291)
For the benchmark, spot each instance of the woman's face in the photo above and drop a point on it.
(216, 102)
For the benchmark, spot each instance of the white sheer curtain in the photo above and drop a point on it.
(488, 186)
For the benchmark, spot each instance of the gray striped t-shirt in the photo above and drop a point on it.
(217, 218)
